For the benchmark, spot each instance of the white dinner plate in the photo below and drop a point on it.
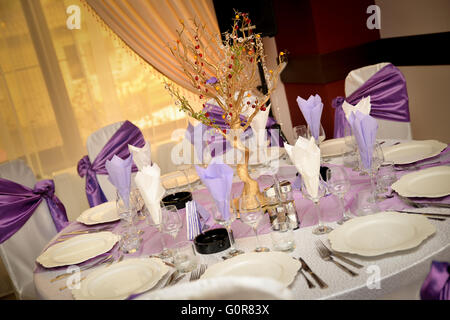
(276, 265)
(78, 249)
(381, 233)
(120, 280)
(412, 151)
(429, 183)
(181, 180)
(333, 147)
(105, 212)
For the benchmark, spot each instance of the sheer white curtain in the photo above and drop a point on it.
(59, 85)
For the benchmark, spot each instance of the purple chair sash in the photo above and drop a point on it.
(388, 98)
(18, 203)
(218, 142)
(127, 134)
(437, 284)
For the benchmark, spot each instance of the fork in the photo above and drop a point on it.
(196, 274)
(319, 243)
(96, 263)
(327, 257)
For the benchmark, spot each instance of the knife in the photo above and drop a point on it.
(426, 213)
(319, 281)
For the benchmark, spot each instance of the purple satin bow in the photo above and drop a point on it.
(18, 203)
(437, 284)
(127, 134)
(388, 98)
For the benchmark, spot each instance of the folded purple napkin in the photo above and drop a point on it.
(218, 179)
(312, 112)
(364, 127)
(196, 217)
(119, 174)
(437, 284)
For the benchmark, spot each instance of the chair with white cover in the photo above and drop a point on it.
(223, 288)
(94, 144)
(387, 129)
(20, 251)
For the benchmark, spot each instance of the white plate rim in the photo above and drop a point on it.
(80, 294)
(334, 141)
(438, 147)
(423, 226)
(290, 267)
(401, 185)
(46, 260)
(84, 217)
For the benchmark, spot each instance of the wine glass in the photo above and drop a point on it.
(339, 184)
(301, 131)
(171, 224)
(321, 190)
(321, 137)
(250, 213)
(225, 220)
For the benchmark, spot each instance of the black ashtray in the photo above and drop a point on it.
(212, 241)
(177, 199)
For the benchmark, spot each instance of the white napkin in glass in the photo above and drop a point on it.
(305, 155)
(141, 156)
(148, 181)
(362, 106)
(258, 126)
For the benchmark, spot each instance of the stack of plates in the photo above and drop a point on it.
(381, 233)
(276, 265)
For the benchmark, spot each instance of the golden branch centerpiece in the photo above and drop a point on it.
(226, 70)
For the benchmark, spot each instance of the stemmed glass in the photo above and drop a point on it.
(339, 184)
(226, 221)
(171, 224)
(321, 137)
(301, 131)
(377, 161)
(130, 239)
(321, 190)
(250, 213)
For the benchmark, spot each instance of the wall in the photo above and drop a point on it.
(428, 86)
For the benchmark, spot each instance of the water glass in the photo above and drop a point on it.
(184, 256)
(366, 203)
(283, 236)
(250, 212)
(386, 176)
(301, 131)
(339, 184)
(129, 239)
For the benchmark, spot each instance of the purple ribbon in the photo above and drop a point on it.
(127, 134)
(437, 284)
(18, 203)
(388, 98)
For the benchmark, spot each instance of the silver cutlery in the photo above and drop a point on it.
(86, 231)
(319, 281)
(327, 257)
(423, 204)
(442, 215)
(197, 273)
(337, 255)
(414, 166)
(177, 279)
(96, 263)
(66, 286)
(171, 278)
(308, 282)
(165, 262)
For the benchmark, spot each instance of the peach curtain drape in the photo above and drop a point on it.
(149, 26)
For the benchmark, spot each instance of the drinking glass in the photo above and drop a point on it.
(365, 203)
(283, 236)
(350, 156)
(339, 184)
(321, 190)
(386, 177)
(129, 234)
(322, 135)
(184, 257)
(225, 221)
(250, 212)
(301, 131)
(171, 224)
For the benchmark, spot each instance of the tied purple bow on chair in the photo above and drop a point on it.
(18, 203)
(388, 98)
(127, 134)
(437, 284)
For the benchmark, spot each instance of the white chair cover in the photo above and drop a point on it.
(94, 144)
(223, 288)
(20, 251)
(387, 129)
(70, 188)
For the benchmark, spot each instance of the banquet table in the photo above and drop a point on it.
(400, 273)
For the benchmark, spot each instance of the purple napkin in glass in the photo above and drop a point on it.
(218, 179)
(364, 127)
(119, 174)
(312, 111)
(437, 284)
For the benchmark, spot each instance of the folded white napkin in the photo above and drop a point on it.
(305, 155)
(258, 126)
(148, 181)
(141, 156)
(362, 106)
